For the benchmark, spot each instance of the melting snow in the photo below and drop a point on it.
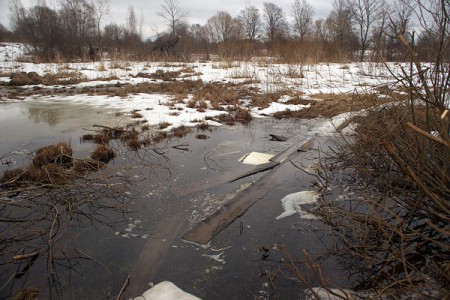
(166, 290)
(292, 204)
(256, 158)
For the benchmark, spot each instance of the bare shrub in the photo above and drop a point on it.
(398, 241)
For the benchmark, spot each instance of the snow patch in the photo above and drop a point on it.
(166, 290)
(292, 204)
(256, 158)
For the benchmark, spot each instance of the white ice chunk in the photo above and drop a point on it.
(166, 290)
(256, 158)
(292, 204)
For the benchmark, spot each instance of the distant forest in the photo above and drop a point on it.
(353, 30)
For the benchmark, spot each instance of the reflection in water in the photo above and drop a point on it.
(51, 116)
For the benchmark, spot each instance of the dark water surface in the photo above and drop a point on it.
(169, 191)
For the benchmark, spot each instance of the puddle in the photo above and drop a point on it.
(168, 194)
(26, 126)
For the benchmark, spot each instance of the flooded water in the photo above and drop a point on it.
(168, 192)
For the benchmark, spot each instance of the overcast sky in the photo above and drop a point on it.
(198, 11)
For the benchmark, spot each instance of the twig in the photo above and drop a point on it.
(124, 287)
(25, 256)
(182, 147)
(428, 135)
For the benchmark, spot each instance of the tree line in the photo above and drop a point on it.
(353, 30)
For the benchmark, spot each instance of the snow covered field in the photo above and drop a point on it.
(304, 81)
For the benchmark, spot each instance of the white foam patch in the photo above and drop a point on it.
(166, 290)
(256, 158)
(292, 204)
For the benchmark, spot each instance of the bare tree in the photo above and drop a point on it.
(222, 27)
(251, 22)
(400, 14)
(132, 22)
(276, 25)
(303, 13)
(365, 14)
(16, 13)
(78, 26)
(173, 14)
(340, 29)
(101, 9)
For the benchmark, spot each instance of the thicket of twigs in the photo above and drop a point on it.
(43, 204)
(397, 240)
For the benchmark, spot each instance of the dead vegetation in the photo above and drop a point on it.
(40, 202)
(330, 105)
(32, 78)
(103, 153)
(402, 234)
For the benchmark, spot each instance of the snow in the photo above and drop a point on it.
(277, 107)
(158, 108)
(256, 158)
(292, 204)
(166, 290)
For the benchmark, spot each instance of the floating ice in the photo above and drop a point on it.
(256, 158)
(292, 204)
(166, 290)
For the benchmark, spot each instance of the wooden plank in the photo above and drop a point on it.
(206, 229)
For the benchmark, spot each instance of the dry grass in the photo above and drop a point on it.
(163, 125)
(243, 116)
(330, 105)
(103, 153)
(227, 119)
(181, 131)
(59, 154)
(160, 136)
(136, 115)
(86, 166)
(50, 166)
(134, 144)
(203, 126)
(32, 78)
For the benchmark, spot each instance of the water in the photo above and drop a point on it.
(166, 193)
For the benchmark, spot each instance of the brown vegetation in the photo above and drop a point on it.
(103, 153)
(32, 78)
(181, 131)
(59, 154)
